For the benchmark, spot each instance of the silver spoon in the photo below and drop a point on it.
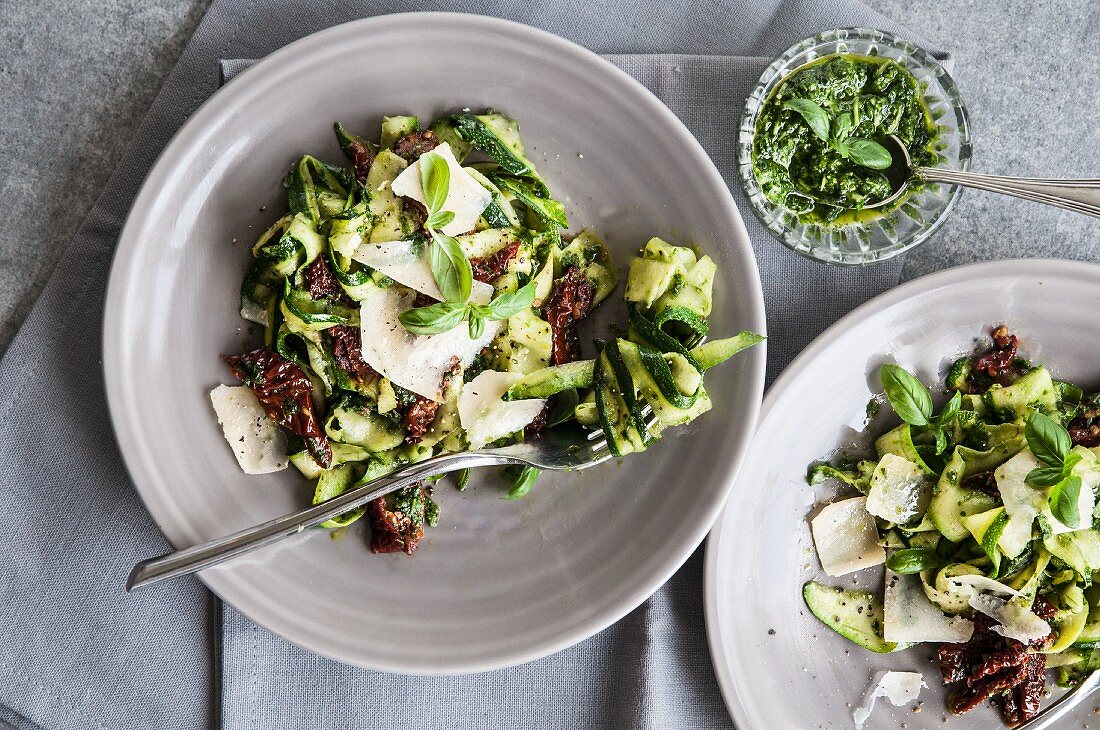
(1082, 196)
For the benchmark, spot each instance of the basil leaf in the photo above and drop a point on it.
(564, 408)
(866, 152)
(941, 439)
(432, 319)
(480, 310)
(451, 268)
(463, 480)
(1070, 461)
(477, 324)
(1047, 439)
(950, 409)
(1063, 502)
(816, 117)
(913, 560)
(1045, 476)
(907, 395)
(435, 179)
(439, 219)
(843, 126)
(511, 303)
(523, 483)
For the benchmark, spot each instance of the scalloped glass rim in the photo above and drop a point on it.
(915, 220)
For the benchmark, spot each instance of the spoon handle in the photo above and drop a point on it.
(1082, 196)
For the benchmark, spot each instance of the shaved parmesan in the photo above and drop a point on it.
(1022, 502)
(466, 197)
(404, 262)
(1016, 620)
(416, 362)
(910, 618)
(407, 263)
(1022, 624)
(258, 444)
(898, 687)
(486, 416)
(982, 582)
(898, 492)
(846, 537)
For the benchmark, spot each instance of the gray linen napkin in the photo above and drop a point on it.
(80, 653)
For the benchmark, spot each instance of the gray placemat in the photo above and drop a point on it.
(80, 653)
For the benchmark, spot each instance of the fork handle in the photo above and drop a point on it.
(1081, 196)
(193, 559)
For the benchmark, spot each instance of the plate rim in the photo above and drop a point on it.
(222, 101)
(1031, 268)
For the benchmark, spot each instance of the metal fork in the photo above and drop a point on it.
(556, 450)
(1048, 717)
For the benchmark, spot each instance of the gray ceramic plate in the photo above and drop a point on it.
(777, 665)
(497, 582)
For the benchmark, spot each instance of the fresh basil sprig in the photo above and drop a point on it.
(816, 117)
(523, 483)
(435, 180)
(451, 268)
(434, 318)
(502, 307)
(865, 152)
(452, 271)
(907, 395)
(913, 403)
(1050, 443)
(835, 133)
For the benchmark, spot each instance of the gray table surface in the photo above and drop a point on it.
(77, 77)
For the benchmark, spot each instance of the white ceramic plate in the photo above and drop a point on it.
(760, 552)
(497, 582)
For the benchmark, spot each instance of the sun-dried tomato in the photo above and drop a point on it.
(419, 418)
(953, 660)
(538, 425)
(423, 300)
(1010, 656)
(1028, 694)
(361, 160)
(984, 482)
(347, 352)
(1084, 429)
(286, 394)
(419, 412)
(411, 146)
(1043, 608)
(971, 696)
(321, 282)
(415, 212)
(991, 665)
(1084, 434)
(488, 268)
(570, 301)
(996, 366)
(396, 524)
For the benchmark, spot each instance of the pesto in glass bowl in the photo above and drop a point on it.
(809, 158)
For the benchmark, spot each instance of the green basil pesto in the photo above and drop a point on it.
(814, 151)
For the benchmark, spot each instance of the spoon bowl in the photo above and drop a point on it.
(900, 172)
